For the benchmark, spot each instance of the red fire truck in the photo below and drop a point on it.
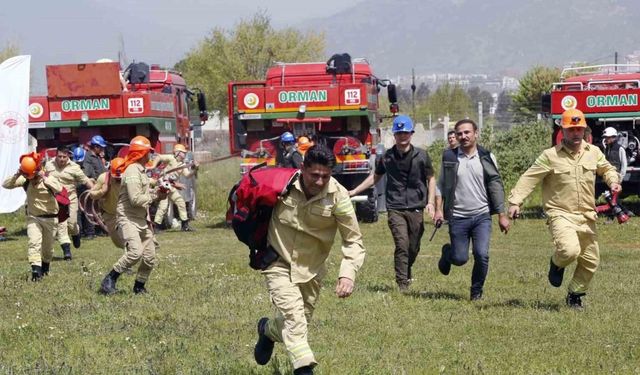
(84, 100)
(334, 104)
(90, 99)
(608, 96)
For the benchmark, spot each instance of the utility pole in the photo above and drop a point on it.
(445, 127)
(413, 93)
(480, 115)
(615, 60)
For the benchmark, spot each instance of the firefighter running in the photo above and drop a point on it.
(69, 174)
(302, 230)
(132, 218)
(172, 162)
(42, 211)
(567, 172)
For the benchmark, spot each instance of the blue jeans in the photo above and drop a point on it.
(478, 230)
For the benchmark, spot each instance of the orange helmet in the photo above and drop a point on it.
(29, 164)
(304, 144)
(115, 164)
(179, 148)
(573, 118)
(140, 143)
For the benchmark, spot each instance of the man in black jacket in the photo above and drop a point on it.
(410, 189)
(472, 191)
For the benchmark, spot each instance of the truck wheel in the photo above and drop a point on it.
(367, 212)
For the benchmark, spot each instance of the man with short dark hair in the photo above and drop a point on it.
(70, 175)
(567, 172)
(452, 141)
(302, 231)
(472, 191)
(410, 189)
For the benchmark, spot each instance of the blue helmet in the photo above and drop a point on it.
(287, 137)
(402, 123)
(97, 140)
(78, 154)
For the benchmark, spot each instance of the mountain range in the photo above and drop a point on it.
(505, 37)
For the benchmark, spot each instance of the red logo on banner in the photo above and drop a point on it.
(13, 127)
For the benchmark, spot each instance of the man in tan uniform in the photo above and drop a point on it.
(132, 218)
(567, 172)
(69, 174)
(171, 162)
(107, 190)
(42, 211)
(301, 231)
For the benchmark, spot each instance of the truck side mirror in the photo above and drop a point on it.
(391, 93)
(202, 107)
(545, 103)
(393, 98)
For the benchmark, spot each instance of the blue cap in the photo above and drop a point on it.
(287, 137)
(402, 123)
(78, 154)
(97, 140)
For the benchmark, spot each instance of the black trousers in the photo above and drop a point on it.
(407, 228)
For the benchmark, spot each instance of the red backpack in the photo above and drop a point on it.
(251, 202)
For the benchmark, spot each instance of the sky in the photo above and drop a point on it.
(159, 31)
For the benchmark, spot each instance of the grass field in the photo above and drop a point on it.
(204, 301)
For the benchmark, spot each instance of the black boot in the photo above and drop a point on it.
(76, 241)
(157, 228)
(138, 287)
(36, 273)
(304, 370)
(264, 347)
(555, 274)
(574, 300)
(108, 285)
(45, 268)
(186, 227)
(66, 249)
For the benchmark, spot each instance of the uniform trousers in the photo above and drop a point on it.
(575, 240)
(163, 206)
(139, 247)
(70, 226)
(115, 235)
(40, 231)
(294, 305)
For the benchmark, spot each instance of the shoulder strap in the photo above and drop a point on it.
(450, 155)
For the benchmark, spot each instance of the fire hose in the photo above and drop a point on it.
(91, 209)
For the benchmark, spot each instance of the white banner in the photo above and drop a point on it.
(14, 125)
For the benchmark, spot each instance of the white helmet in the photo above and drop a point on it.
(610, 132)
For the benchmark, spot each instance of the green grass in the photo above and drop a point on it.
(204, 301)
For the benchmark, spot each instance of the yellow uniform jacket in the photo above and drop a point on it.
(302, 231)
